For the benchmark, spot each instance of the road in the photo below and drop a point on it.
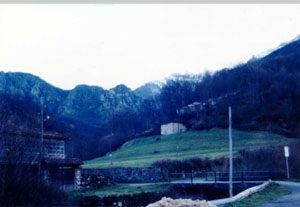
(291, 200)
(195, 181)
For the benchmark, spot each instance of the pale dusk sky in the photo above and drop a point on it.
(110, 44)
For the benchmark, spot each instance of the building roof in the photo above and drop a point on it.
(174, 122)
(68, 162)
(47, 135)
(35, 133)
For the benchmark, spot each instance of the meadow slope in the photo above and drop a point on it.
(141, 152)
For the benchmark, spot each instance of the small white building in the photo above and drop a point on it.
(172, 128)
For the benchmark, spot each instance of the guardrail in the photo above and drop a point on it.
(241, 195)
(241, 176)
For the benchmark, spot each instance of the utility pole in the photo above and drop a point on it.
(42, 125)
(42, 137)
(230, 154)
(177, 147)
(110, 154)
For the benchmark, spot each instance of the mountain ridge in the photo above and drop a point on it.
(87, 108)
(96, 118)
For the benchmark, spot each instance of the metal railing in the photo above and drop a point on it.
(242, 176)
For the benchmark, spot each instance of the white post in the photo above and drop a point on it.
(110, 156)
(287, 154)
(230, 154)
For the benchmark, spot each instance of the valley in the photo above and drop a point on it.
(117, 132)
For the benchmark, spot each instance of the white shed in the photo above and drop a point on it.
(172, 128)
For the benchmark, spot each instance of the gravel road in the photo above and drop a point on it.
(291, 200)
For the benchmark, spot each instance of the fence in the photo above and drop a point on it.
(241, 176)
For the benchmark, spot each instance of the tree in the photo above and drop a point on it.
(20, 184)
(178, 92)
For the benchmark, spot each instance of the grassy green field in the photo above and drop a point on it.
(212, 143)
(122, 189)
(272, 192)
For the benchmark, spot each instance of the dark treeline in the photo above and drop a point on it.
(17, 113)
(264, 94)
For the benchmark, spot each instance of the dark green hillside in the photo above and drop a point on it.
(213, 143)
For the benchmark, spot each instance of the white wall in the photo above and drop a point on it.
(172, 128)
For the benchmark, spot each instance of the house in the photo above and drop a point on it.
(45, 153)
(172, 128)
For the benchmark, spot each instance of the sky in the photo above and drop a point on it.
(110, 44)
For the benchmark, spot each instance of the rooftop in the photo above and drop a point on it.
(63, 162)
(35, 133)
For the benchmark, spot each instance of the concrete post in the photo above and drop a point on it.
(230, 154)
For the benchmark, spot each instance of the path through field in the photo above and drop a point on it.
(291, 200)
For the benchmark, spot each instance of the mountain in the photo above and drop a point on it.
(264, 94)
(82, 113)
(91, 104)
(265, 53)
(149, 90)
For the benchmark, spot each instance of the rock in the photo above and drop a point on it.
(169, 202)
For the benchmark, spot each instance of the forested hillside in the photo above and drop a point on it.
(264, 94)
(95, 119)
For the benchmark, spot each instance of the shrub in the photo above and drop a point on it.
(268, 158)
(20, 184)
